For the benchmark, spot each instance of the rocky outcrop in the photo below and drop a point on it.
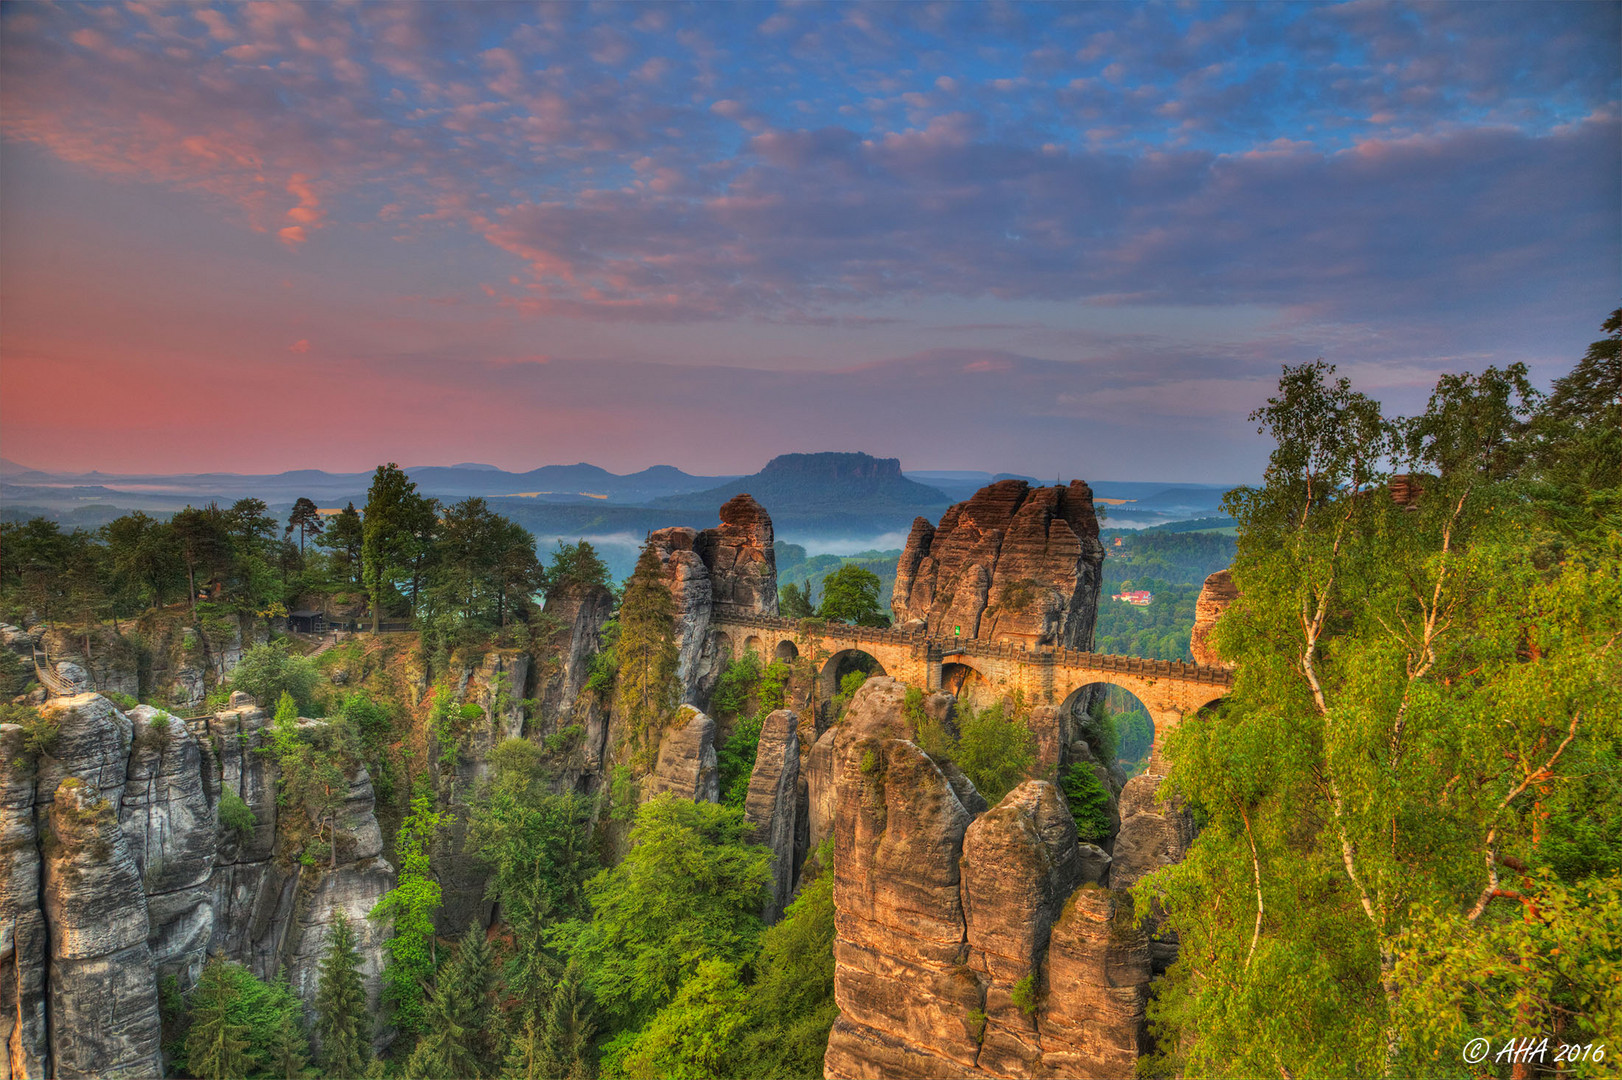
(118, 872)
(819, 788)
(697, 664)
(687, 762)
(1153, 834)
(1013, 563)
(1215, 596)
(579, 613)
(967, 944)
(103, 997)
(1097, 979)
(727, 570)
(170, 825)
(772, 806)
(740, 559)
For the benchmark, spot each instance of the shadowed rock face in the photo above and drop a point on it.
(118, 872)
(1013, 563)
(943, 913)
(772, 806)
(1153, 834)
(1217, 594)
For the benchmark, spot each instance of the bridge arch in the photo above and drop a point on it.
(967, 683)
(842, 663)
(786, 651)
(723, 645)
(1166, 701)
(753, 644)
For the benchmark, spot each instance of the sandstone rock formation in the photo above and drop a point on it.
(170, 825)
(740, 559)
(1152, 835)
(103, 998)
(580, 612)
(772, 805)
(968, 944)
(1012, 563)
(1215, 596)
(687, 762)
(118, 872)
(731, 569)
(1097, 978)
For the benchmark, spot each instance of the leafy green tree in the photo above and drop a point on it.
(696, 1036)
(217, 1043)
(794, 602)
(289, 1057)
(1089, 803)
(306, 518)
(457, 1041)
(340, 1005)
(557, 1044)
(392, 537)
(792, 1001)
(345, 537)
(851, 595)
(540, 856)
(409, 908)
(994, 749)
(646, 649)
(204, 539)
(575, 566)
(267, 671)
(145, 561)
(689, 890)
(1422, 694)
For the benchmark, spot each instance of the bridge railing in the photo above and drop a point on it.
(1002, 650)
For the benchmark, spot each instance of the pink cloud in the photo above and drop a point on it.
(302, 345)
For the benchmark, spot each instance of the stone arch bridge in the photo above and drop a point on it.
(1169, 689)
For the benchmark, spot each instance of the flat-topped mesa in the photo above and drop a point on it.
(1013, 563)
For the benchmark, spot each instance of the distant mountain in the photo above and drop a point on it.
(827, 487)
(581, 483)
(961, 484)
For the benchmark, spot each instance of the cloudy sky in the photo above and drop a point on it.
(1054, 239)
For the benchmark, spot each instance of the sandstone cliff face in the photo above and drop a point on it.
(772, 805)
(1215, 596)
(118, 873)
(726, 570)
(968, 943)
(1011, 564)
(1152, 835)
(580, 613)
(687, 765)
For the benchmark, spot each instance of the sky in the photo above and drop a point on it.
(1060, 239)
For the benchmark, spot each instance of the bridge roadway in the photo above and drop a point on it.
(978, 670)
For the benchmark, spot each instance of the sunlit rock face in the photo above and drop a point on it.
(1215, 597)
(713, 573)
(772, 807)
(1013, 563)
(970, 941)
(687, 766)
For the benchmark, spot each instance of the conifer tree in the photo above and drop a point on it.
(646, 649)
(290, 1048)
(217, 1045)
(458, 1037)
(409, 908)
(340, 1004)
(570, 1024)
(443, 1051)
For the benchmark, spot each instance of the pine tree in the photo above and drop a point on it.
(443, 1051)
(457, 1040)
(646, 649)
(290, 1048)
(216, 1047)
(566, 1035)
(340, 1005)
